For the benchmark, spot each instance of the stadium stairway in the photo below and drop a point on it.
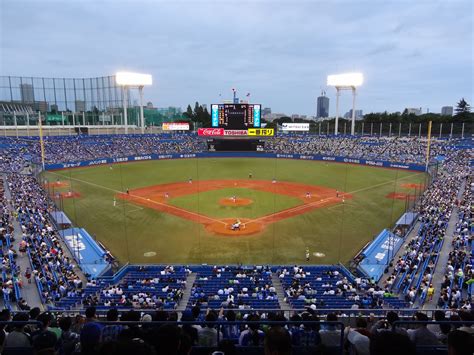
(28, 292)
(440, 270)
(280, 292)
(187, 292)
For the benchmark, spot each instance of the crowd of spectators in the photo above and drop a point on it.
(52, 269)
(402, 150)
(10, 273)
(459, 272)
(82, 147)
(132, 332)
(231, 287)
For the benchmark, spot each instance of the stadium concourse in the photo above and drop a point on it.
(236, 309)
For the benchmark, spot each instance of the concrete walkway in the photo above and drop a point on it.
(187, 292)
(443, 257)
(276, 282)
(29, 292)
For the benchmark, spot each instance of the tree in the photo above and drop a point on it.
(463, 110)
(189, 112)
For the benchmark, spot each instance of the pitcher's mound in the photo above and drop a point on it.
(239, 201)
(224, 227)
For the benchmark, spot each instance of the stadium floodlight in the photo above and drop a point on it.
(133, 79)
(127, 80)
(347, 81)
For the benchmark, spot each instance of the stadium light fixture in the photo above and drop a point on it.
(127, 80)
(347, 81)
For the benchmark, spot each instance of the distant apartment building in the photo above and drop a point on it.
(416, 111)
(447, 111)
(322, 109)
(359, 114)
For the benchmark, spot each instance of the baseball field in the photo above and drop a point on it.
(233, 210)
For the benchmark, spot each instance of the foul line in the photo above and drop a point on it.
(307, 205)
(144, 199)
(290, 210)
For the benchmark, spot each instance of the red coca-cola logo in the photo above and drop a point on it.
(211, 131)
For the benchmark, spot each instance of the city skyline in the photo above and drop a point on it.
(279, 52)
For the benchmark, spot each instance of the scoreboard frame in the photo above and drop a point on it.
(252, 117)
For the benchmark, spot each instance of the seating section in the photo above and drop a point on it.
(324, 287)
(240, 287)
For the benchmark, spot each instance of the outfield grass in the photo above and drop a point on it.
(337, 231)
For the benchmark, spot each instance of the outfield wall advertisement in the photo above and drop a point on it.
(295, 127)
(376, 163)
(175, 126)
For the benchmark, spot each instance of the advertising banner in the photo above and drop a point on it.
(295, 127)
(261, 132)
(235, 132)
(211, 132)
(175, 126)
(152, 156)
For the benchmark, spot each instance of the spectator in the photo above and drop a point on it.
(111, 331)
(68, 340)
(460, 343)
(331, 334)
(208, 334)
(277, 342)
(421, 336)
(18, 338)
(391, 343)
(252, 336)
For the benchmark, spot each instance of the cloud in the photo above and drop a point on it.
(280, 51)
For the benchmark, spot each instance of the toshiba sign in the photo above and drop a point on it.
(211, 131)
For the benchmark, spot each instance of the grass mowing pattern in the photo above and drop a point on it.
(338, 231)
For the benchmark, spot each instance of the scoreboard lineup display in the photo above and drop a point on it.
(236, 116)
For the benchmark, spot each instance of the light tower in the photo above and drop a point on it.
(133, 80)
(348, 81)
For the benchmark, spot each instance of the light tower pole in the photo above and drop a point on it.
(349, 81)
(133, 80)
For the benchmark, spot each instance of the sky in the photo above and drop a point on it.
(412, 53)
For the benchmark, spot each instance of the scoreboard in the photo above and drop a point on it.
(236, 116)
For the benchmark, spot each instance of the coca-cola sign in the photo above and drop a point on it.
(211, 131)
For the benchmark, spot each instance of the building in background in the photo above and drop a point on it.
(447, 111)
(359, 114)
(67, 94)
(266, 111)
(323, 105)
(416, 111)
(149, 105)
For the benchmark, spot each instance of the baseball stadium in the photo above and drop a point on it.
(224, 177)
(233, 228)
